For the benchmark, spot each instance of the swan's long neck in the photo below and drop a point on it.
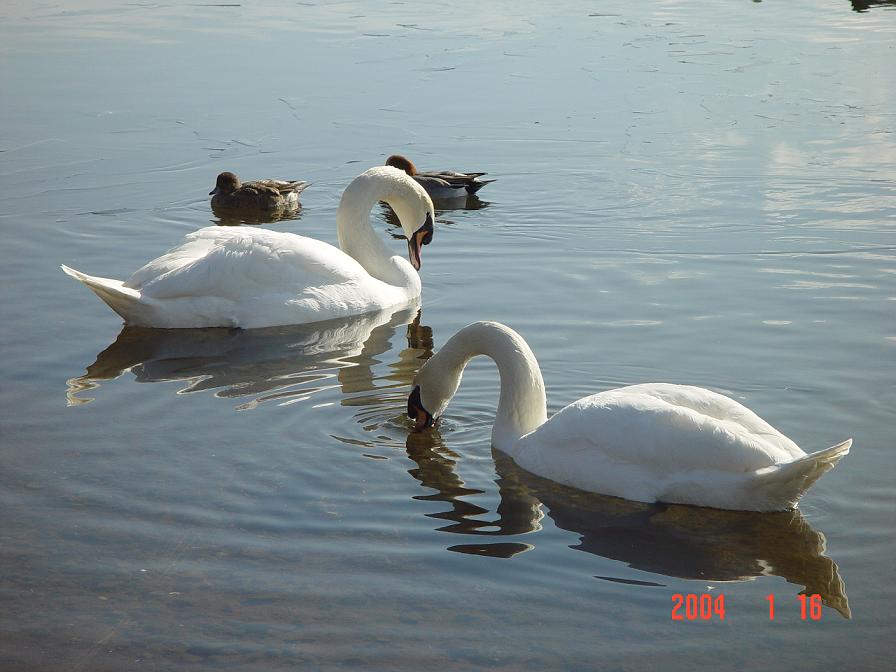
(358, 239)
(522, 406)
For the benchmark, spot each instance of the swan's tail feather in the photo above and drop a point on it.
(784, 484)
(123, 300)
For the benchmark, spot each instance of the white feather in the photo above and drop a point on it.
(252, 277)
(651, 442)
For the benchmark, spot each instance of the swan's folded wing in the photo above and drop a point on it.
(194, 247)
(728, 412)
(236, 264)
(664, 429)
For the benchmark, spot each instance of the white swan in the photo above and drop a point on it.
(250, 277)
(648, 443)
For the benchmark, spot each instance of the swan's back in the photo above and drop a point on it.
(235, 263)
(665, 427)
(660, 442)
(245, 278)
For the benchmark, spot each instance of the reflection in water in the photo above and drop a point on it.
(277, 363)
(865, 5)
(471, 202)
(686, 542)
(377, 401)
(292, 363)
(678, 541)
(237, 217)
(517, 512)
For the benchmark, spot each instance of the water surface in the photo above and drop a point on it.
(687, 193)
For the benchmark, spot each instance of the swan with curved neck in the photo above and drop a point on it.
(654, 442)
(250, 277)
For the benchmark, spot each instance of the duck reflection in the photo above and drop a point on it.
(276, 363)
(677, 541)
(865, 5)
(442, 206)
(238, 217)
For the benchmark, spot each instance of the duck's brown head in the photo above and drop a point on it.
(227, 183)
(402, 163)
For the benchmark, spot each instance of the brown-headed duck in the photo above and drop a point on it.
(440, 184)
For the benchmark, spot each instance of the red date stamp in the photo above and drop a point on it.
(706, 607)
(692, 607)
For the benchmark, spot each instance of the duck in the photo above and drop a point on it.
(441, 184)
(650, 442)
(250, 278)
(266, 195)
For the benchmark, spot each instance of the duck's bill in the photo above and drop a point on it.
(421, 237)
(213, 191)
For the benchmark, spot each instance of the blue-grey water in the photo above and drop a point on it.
(702, 193)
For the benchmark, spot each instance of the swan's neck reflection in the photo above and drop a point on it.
(517, 513)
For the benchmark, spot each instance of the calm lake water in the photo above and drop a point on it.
(702, 193)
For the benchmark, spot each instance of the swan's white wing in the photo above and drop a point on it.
(235, 263)
(706, 406)
(658, 430)
(255, 278)
(195, 247)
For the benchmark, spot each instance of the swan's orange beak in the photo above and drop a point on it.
(421, 417)
(422, 236)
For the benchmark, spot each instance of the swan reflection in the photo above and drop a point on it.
(685, 542)
(291, 364)
(278, 363)
(678, 541)
(377, 400)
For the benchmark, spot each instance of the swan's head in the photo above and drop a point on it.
(433, 389)
(402, 163)
(414, 209)
(226, 183)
